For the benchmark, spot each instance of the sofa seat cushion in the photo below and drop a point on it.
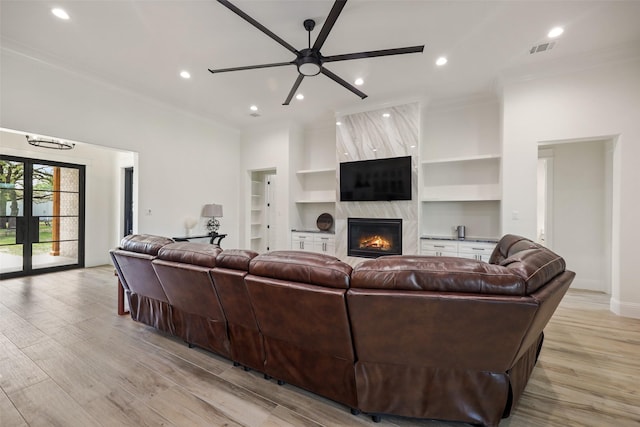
(303, 267)
(144, 243)
(202, 254)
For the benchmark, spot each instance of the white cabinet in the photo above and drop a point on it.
(313, 242)
(480, 251)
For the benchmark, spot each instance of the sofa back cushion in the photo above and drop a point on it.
(526, 268)
(508, 245)
(144, 243)
(235, 259)
(439, 274)
(303, 267)
(202, 254)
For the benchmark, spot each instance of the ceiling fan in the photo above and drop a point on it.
(309, 61)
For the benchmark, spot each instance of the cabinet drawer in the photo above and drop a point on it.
(439, 246)
(476, 248)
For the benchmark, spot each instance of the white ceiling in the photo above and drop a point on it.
(143, 45)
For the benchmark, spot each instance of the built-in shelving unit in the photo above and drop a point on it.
(462, 190)
(472, 178)
(261, 210)
(317, 185)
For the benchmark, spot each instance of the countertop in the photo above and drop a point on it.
(313, 231)
(468, 239)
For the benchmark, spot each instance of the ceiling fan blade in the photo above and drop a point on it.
(258, 25)
(328, 24)
(293, 89)
(342, 82)
(373, 53)
(249, 67)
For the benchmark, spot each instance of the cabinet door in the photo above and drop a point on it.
(476, 250)
(324, 245)
(301, 241)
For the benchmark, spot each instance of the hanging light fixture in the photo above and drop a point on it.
(54, 144)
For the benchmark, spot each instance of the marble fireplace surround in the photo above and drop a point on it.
(386, 132)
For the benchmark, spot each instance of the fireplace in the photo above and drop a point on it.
(372, 237)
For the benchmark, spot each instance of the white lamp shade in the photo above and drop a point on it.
(212, 211)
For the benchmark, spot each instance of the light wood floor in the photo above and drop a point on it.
(66, 359)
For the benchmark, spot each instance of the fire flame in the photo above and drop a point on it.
(375, 242)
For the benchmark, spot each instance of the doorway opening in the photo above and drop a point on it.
(262, 223)
(575, 194)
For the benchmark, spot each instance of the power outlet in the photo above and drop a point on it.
(515, 215)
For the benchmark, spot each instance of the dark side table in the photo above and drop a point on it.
(214, 238)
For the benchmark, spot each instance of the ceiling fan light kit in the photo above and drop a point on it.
(309, 61)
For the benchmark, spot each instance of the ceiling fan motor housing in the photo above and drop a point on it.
(309, 62)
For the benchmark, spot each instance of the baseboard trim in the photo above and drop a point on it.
(625, 309)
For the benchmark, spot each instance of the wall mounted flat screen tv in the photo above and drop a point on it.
(379, 179)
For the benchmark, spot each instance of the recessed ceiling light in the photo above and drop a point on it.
(441, 61)
(185, 74)
(412, 146)
(254, 108)
(555, 32)
(300, 96)
(338, 123)
(60, 13)
(346, 154)
(375, 149)
(386, 115)
(359, 82)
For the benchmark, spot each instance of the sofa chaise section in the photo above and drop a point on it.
(450, 338)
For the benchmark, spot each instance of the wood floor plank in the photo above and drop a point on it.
(16, 369)
(47, 405)
(67, 359)
(9, 415)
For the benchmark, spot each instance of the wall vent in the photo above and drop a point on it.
(542, 47)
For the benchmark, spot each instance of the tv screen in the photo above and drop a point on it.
(379, 179)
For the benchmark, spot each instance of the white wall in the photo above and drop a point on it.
(184, 161)
(595, 102)
(100, 174)
(461, 129)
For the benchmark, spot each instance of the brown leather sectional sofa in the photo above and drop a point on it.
(427, 337)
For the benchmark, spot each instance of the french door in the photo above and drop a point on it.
(41, 216)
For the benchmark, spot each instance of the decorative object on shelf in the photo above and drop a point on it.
(212, 211)
(324, 221)
(55, 144)
(189, 223)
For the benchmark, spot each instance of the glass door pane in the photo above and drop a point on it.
(12, 219)
(55, 216)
